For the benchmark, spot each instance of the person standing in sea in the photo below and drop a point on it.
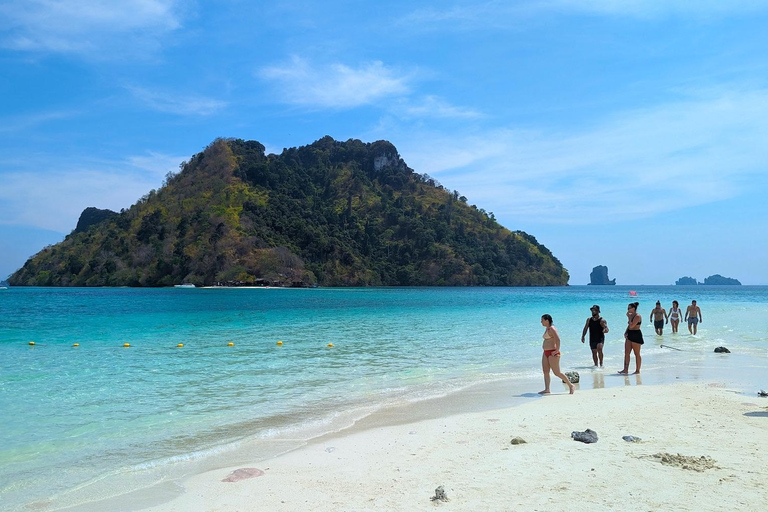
(550, 360)
(674, 316)
(658, 315)
(633, 338)
(693, 317)
(597, 327)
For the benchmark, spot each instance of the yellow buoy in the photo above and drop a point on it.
(126, 344)
(230, 344)
(76, 345)
(180, 345)
(280, 343)
(330, 345)
(31, 342)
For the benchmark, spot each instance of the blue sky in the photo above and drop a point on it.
(627, 133)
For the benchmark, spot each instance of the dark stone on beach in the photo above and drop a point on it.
(588, 436)
(631, 439)
(762, 393)
(722, 350)
(517, 440)
(572, 376)
(440, 495)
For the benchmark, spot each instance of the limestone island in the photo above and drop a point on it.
(716, 279)
(599, 276)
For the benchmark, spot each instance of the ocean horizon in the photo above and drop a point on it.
(100, 420)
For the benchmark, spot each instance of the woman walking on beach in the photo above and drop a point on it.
(550, 360)
(674, 316)
(633, 338)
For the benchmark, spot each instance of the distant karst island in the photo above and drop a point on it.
(599, 276)
(716, 279)
(331, 213)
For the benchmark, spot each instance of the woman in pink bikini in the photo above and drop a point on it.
(550, 360)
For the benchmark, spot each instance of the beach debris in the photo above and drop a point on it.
(588, 436)
(673, 348)
(243, 474)
(330, 449)
(440, 495)
(517, 440)
(722, 350)
(685, 462)
(572, 376)
(762, 393)
(631, 439)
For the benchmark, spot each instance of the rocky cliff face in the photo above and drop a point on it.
(599, 276)
(92, 216)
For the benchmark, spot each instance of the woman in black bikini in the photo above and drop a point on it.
(633, 338)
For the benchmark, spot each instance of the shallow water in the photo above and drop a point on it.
(89, 422)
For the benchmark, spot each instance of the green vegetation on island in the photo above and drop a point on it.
(331, 213)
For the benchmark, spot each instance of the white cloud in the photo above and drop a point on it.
(94, 27)
(636, 163)
(54, 199)
(335, 85)
(172, 103)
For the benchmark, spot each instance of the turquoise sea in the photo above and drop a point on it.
(79, 425)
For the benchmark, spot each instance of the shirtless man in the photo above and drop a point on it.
(693, 316)
(597, 327)
(658, 316)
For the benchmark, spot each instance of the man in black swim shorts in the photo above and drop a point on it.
(597, 327)
(658, 315)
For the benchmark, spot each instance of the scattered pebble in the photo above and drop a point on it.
(440, 495)
(517, 440)
(631, 439)
(330, 449)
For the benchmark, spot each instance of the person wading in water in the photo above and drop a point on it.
(597, 327)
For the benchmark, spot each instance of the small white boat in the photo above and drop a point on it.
(184, 285)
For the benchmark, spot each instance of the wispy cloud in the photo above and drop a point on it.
(436, 108)
(179, 104)
(655, 8)
(28, 199)
(335, 85)
(636, 163)
(23, 122)
(94, 27)
(502, 14)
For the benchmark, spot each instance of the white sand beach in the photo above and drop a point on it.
(703, 447)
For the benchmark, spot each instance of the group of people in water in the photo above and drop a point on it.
(598, 327)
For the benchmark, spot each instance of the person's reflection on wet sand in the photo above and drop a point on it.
(598, 380)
